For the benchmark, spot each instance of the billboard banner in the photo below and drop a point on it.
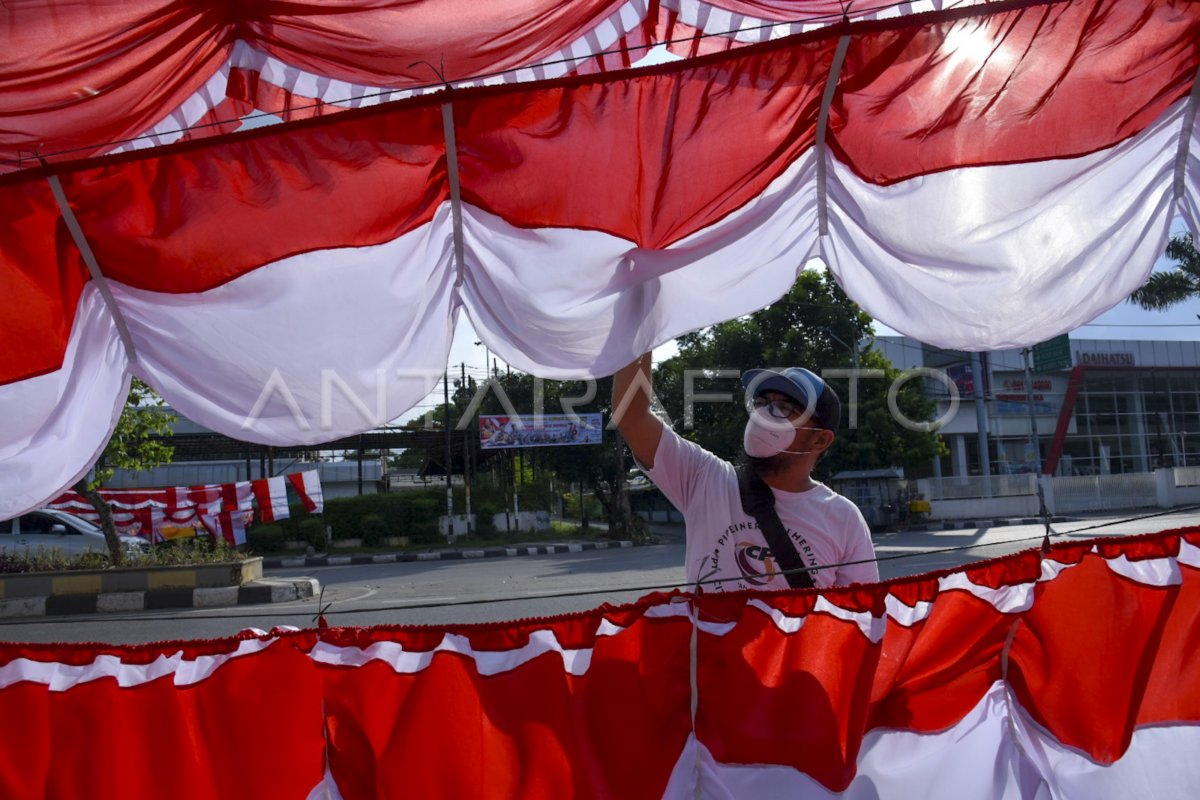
(498, 432)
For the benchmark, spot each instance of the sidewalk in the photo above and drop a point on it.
(259, 592)
(673, 532)
(983, 522)
(443, 554)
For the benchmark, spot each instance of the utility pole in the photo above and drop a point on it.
(1033, 439)
(981, 424)
(1034, 443)
(360, 464)
(466, 456)
(449, 456)
(624, 519)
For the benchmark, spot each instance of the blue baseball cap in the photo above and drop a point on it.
(803, 387)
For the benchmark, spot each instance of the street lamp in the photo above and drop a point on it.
(838, 339)
(487, 361)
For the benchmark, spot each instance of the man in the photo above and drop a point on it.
(793, 419)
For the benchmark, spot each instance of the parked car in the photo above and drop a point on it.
(51, 529)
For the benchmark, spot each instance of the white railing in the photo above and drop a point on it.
(1077, 493)
(978, 486)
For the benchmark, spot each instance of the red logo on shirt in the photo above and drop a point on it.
(749, 557)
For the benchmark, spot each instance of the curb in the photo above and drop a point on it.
(252, 593)
(959, 524)
(440, 555)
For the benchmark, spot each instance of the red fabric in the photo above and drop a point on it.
(756, 682)
(1131, 659)
(41, 278)
(83, 75)
(1047, 81)
(202, 216)
(155, 740)
(1095, 656)
(77, 75)
(662, 153)
(497, 736)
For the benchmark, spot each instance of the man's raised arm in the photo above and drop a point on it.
(642, 429)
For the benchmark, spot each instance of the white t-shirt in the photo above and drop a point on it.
(724, 542)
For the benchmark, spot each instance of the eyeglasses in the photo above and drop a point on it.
(777, 407)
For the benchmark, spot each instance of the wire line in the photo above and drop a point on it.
(582, 592)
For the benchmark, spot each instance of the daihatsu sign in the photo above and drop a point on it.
(1107, 359)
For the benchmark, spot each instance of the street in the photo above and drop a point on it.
(487, 590)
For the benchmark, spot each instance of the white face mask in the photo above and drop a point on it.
(766, 436)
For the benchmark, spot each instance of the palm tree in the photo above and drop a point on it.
(1165, 289)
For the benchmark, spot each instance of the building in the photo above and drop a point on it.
(1113, 407)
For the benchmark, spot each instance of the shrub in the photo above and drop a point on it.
(485, 515)
(265, 538)
(374, 528)
(10, 563)
(92, 561)
(312, 530)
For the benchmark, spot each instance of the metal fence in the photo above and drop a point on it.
(1078, 493)
(968, 488)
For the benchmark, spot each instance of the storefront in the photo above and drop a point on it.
(1120, 406)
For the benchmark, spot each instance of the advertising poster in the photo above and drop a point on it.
(497, 432)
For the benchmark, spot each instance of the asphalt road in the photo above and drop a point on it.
(448, 592)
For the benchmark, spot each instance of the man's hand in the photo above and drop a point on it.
(632, 389)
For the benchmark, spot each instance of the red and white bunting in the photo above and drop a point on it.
(308, 486)
(223, 510)
(1068, 675)
(271, 496)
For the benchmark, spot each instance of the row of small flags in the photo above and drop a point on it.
(221, 510)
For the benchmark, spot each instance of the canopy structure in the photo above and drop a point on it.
(977, 176)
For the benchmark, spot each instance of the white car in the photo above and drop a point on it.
(50, 529)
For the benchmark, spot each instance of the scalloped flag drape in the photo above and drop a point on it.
(986, 682)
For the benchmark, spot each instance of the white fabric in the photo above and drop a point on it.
(53, 427)
(607, 301)
(724, 543)
(173, 127)
(1005, 256)
(1189, 203)
(976, 758)
(307, 349)
(59, 677)
(487, 662)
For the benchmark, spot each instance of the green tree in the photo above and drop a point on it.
(1165, 289)
(136, 444)
(814, 325)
